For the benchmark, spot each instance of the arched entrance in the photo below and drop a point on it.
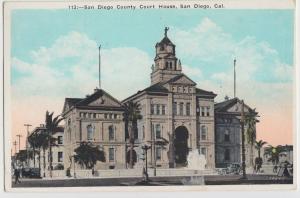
(181, 146)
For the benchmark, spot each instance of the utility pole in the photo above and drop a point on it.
(234, 80)
(19, 136)
(15, 144)
(243, 141)
(27, 157)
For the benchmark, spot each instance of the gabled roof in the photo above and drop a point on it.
(158, 87)
(84, 102)
(98, 93)
(225, 105)
(174, 79)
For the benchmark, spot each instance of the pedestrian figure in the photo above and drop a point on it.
(17, 176)
(285, 170)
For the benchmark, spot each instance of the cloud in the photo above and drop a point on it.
(69, 68)
(264, 81)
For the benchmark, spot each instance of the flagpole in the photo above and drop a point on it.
(99, 67)
(234, 88)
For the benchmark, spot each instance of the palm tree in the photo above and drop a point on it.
(258, 145)
(258, 160)
(250, 123)
(87, 155)
(51, 125)
(130, 116)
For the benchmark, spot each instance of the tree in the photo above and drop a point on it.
(130, 116)
(250, 124)
(52, 126)
(21, 156)
(87, 155)
(273, 153)
(258, 160)
(258, 145)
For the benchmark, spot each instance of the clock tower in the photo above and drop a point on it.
(166, 64)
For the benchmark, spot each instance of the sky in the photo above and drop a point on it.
(54, 55)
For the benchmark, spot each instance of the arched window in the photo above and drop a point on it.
(226, 136)
(111, 133)
(90, 132)
(143, 132)
(203, 133)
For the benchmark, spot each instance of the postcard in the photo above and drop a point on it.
(149, 95)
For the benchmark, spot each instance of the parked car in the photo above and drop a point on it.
(233, 168)
(31, 172)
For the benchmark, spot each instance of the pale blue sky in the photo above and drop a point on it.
(32, 29)
(54, 55)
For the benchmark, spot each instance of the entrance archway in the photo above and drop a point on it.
(181, 146)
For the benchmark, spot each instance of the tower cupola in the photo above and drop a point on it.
(166, 65)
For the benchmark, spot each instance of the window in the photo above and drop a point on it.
(143, 132)
(175, 108)
(188, 109)
(111, 154)
(90, 132)
(111, 133)
(69, 121)
(227, 155)
(203, 133)
(95, 115)
(207, 111)
(115, 116)
(170, 64)
(60, 139)
(203, 151)
(105, 115)
(181, 108)
(157, 109)
(202, 111)
(163, 109)
(60, 156)
(167, 65)
(226, 136)
(158, 153)
(152, 109)
(110, 116)
(69, 134)
(157, 131)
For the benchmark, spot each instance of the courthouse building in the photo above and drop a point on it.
(173, 108)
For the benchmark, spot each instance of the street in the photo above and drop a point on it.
(157, 181)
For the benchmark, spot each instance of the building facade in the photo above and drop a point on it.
(98, 119)
(173, 110)
(228, 133)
